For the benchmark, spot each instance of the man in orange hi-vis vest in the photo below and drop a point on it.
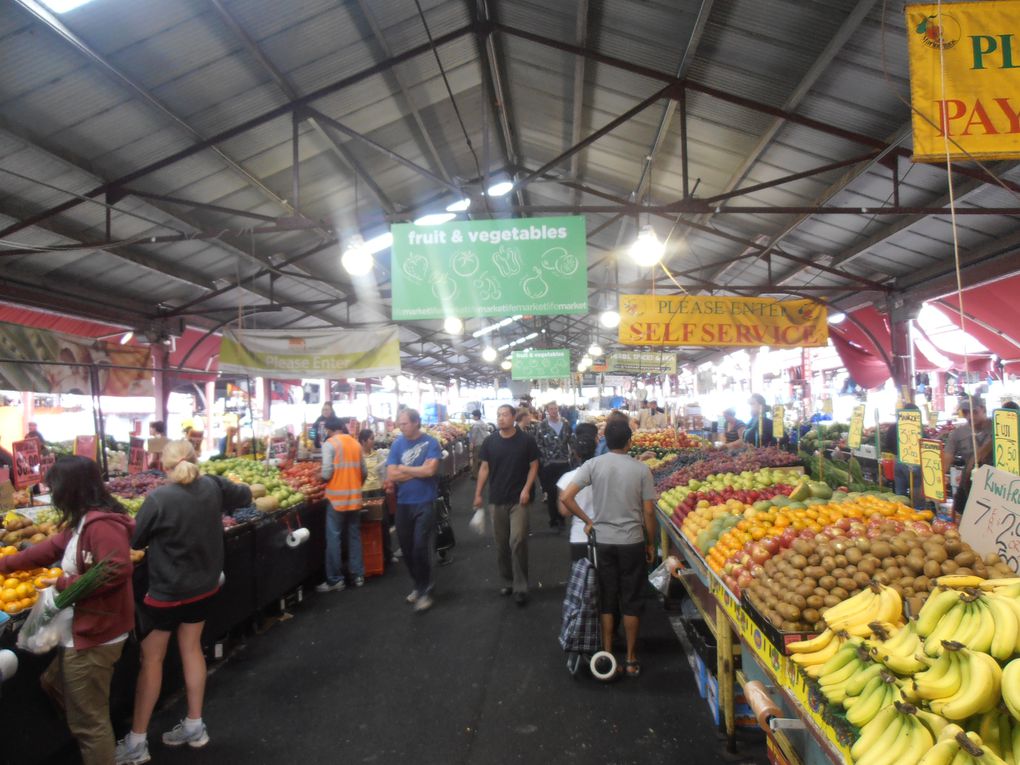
(343, 470)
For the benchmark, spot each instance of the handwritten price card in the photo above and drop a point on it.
(909, 436)
(853, 439)
(136, 455)
(931, 470)
(991, 520)
(1006, 454)
(778, 426)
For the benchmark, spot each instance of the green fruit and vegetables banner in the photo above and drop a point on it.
(540, 365)
(534, 266)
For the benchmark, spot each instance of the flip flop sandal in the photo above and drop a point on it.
(633, 668)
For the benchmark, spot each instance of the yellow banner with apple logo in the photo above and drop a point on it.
(739, 322)
(964, 79)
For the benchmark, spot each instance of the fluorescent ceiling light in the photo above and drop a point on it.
(379, 243)
(63, 6)
(459, 206)
(489, 354)
(610, 319)
(453, 325)
(837, 318)
(647, 250)
(434, 219)
(126, 337)
(502, 188)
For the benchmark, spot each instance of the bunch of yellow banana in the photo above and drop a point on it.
(895, 736)
(957, 747)
(970, 684)
(875, 603)
(1011, 692)
(879, 692)
(897, 649)
(846, 673)
(812, 655)
(997, 732)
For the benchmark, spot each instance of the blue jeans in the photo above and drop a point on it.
(901, 482)
(337, 524)
(416, 530)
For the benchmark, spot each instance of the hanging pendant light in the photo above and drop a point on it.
(647, 250)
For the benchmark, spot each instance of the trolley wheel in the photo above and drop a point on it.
(603, 666)
(573, 663)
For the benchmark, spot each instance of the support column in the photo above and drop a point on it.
(210, 396)
(162, 380)
(902, 313)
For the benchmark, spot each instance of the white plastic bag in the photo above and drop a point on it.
(47, 625)
(660, 578)
(477, 522)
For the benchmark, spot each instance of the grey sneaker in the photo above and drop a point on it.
(327, 587)
(125, 755)
(180, 735)
(413, 597)
(359, 581)
(424, 603)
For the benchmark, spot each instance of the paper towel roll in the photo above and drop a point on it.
(298, 537)
(8, 665)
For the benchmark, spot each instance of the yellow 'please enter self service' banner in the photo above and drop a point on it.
(722, 321)
(964, 79)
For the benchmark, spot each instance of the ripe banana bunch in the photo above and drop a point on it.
(875, 603)
(812, 655)
(968, 617)
(879, 692)
(961, 581)
(995, 727)
(895, 736)
(1011, 695)
(847, 673)
(1005, 611)
(1010, 587)
(898, 649)
(978, 678)
(956, 747)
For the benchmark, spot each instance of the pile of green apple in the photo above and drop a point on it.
(748, 487)
(249, 472)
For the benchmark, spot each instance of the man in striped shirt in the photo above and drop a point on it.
(344, 471)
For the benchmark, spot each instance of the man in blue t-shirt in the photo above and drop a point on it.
(412, 466)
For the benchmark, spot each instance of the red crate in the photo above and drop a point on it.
(372, 547)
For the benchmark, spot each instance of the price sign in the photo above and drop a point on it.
(85, 446)
(778, 425)
(991, 520)
(26, 463)
(278, 448)
(908, 432)
(932, 476)
(1006, 452)
(136, 455)
(853, 438)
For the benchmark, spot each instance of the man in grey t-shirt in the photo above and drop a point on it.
(622, 495)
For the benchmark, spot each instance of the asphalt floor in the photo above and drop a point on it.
(358, 677)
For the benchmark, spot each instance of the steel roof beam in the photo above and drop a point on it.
(483, 18)
(405, 92)
(346, 158)
(247, 125)
(42, 14)
(747, 103)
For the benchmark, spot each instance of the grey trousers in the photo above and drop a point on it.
(510, 533)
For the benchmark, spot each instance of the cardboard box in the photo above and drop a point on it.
(743, 717)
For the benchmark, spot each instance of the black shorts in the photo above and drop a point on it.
(622, 574)
(169, 618)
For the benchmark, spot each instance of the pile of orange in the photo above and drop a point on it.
(776, 520)
(20, 589)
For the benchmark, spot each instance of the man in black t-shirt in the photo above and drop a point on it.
(510, 458)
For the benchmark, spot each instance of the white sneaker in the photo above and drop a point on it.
(125, 755)
(327, 587)
(359, 581)
(424, 603)
(413, 597)
(180, 735)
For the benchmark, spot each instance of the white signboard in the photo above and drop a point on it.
(991, 520)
